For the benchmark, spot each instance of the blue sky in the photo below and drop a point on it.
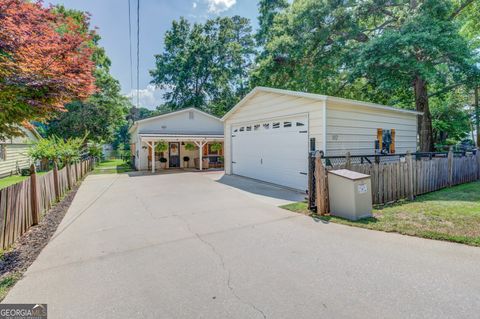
(156, 16)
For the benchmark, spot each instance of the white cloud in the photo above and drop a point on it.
(150, 97)
(217, 6)
(194, 4)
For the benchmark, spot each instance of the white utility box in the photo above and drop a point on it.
(350, 194)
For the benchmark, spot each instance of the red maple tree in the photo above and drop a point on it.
(45, 62)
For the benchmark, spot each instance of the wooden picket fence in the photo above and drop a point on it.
(404, 178)
(23, 204)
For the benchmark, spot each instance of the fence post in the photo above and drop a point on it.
(321, 197)
(478, 163)
(76, 172)
(450, 167)
(69, 178)
(409, 161)
(55, 181)
(311, 182)
(348, 164)
(33, 194)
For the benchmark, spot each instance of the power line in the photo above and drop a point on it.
(138, 52)
(130, 42)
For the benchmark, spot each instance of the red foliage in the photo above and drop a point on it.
(45, 61)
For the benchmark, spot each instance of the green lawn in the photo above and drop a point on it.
(112, 167)
(10, 180)
(451, 214)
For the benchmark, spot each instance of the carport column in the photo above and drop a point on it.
(200, 151)
(153, 156)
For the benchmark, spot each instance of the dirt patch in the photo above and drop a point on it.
(15, 261)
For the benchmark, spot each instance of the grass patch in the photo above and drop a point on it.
(8, 282)
(114, 166)
(10, 180)
(451, 214)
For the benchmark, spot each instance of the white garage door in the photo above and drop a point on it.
(274, 151)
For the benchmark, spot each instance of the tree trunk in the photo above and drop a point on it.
(424, 122)
(477, 116)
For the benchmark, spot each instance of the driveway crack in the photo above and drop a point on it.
(222, 263)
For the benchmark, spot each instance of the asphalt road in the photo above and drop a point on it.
(190, 246)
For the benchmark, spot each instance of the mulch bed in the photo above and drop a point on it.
(25, 250)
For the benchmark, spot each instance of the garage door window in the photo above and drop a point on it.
(249, 128)
(300, 124)
(256, 127)
(242, 129)
(266, 126)
(287, 124)
(276, 125)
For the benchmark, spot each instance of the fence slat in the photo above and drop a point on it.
(24, 203)
(393, 180)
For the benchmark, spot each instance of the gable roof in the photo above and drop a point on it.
(312, 96)
(166, 115)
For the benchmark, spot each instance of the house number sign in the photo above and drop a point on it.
(362, 188)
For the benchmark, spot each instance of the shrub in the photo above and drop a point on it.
(216, 147)
(189, 147)
(161, 147)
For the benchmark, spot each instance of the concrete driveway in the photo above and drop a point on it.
(199, 245)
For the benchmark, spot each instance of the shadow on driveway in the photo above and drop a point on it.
(249, 185)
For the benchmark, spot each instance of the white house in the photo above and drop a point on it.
(14, 152)
(270, 132)
(188, 133)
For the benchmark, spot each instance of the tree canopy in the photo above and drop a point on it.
(205, 65)
(393, 52)
(45, 62)
(101, 114)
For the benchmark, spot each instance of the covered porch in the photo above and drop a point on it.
(164, 151)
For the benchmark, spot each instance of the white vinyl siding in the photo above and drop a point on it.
(183, 123)
(268, 106)
(354, 129)
(16, 157)
(337, 125)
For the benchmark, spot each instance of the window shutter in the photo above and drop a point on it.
(380, 137)
(392, 146)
